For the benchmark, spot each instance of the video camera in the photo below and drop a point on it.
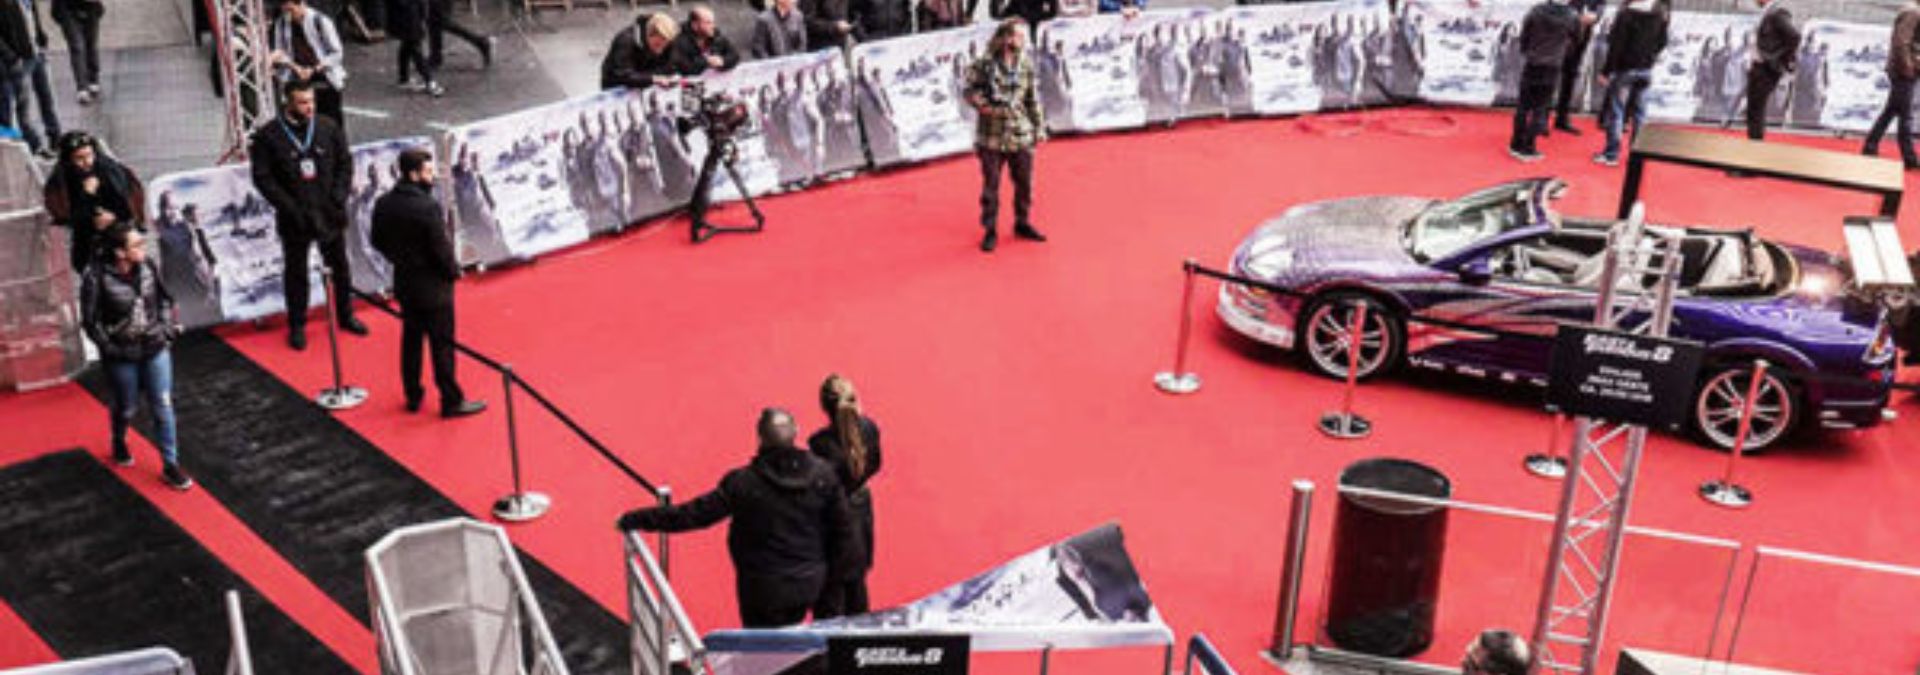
(717, 113)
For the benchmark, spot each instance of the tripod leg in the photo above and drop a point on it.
(733, 172)
(703, 195)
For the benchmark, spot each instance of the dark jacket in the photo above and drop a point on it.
(1033, 11)
(790, 518)
(821, 15)
(80, 9)
(303, 209)
(1903, 58)
(410, 231)
(20, 34)
(128, 318)
(407, 19)
(630, 64)
(1547, 33)
(690, 59)
(120, 193)
(1777, 41)
(774, 35)
(825, 444)
(1635, 41)
(882, 19)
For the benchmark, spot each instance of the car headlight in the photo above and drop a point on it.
(1881, 349)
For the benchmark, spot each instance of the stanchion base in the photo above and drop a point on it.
(522, 507)
(1546, 466)
(1729, 495)
(341, 398)
(1345, 425)
(1177, 383)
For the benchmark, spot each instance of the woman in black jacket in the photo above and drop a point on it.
(89, 192)
(127, 313)
(851, 445)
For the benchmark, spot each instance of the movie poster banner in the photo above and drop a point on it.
(1108, 72)
(219, 254)
(910, 93)
(1081, 593)
(1464, 52)
(801, 124)
(1841, 79)
(1306, 57)
(376, 168)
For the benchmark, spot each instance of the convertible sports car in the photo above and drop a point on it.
(1478, 285)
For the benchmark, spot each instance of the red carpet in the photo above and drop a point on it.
(1015, 397)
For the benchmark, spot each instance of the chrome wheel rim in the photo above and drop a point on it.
(1329, 335)
(1720, 402)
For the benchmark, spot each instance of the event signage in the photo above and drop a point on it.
(1623, 377)
(898, 655)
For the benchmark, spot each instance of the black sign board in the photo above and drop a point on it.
(1623, 377)
(898, 655)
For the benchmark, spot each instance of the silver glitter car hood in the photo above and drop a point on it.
(1360, 236)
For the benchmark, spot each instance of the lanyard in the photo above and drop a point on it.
(297, 143)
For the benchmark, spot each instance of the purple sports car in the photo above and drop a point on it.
(1488, 278)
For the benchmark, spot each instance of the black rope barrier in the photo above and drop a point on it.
(553, 409)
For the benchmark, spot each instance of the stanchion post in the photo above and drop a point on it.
(340, 396)
(521, 506)
(1178, 380)
(665, 495)
(1724, 492)
(1299, 512)
(1345, 424)
(1549, 464)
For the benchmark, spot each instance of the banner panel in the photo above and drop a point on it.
(219, 254)
(910, 93)
(1464, 52)
(801, 123)
(1841, 82)
(1313, 56)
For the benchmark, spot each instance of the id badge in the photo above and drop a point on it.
(307, 169)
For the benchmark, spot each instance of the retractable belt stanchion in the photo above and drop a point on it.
(1345, 423)
(1725, 492)
(1178, 380)
(521, 506)
(1550, 464)
(1280, 648)
(340, 396)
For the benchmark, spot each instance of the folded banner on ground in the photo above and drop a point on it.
(911, 93)
(219, 254)
(1081, 593)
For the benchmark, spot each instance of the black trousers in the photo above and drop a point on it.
(439, 23)
(1020, 165)
(1762, 79)
(849, 598)
(432, 326)
(1569, 77)
(294, 251)
(411, 55)
(1530, 114)
(82, 32)
(776, 601)
(1899, 109)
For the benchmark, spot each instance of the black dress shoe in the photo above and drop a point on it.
(464, 409)
(1028, 233)
(352, 325)
(413, 405)
(1567, 128)
(990, 241)
(297, 339)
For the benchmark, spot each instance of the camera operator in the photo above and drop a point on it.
(701, 48)
(792, 533)
(641, 55)
(1000, 85)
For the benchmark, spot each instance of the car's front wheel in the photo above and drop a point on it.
(1327, 334)
(1721, 400)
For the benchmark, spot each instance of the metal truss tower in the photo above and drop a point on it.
(240, 43)
(1636, 296)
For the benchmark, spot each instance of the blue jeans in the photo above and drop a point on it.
(29, 78)
(154, 377)
(1625, 101)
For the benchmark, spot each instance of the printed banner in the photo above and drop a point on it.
(219, 254)
(910, 90)
(540, 179)
(1109, 72)
(1465, 52)
(1840, 82)
(376, 168)
(1081, 593)
(1313, 56)
(801, 124)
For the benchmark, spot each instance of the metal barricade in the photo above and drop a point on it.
(662, 636)
(451, 598)
(240, 660)
(151, 661)
(40, 343)
(1200, 653)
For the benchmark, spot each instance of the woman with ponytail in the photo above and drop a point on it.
(851, 445)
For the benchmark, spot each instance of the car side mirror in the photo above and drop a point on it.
(1476, 272)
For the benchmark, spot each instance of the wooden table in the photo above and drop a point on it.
(1845, 171)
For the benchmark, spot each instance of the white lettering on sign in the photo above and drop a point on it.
(867, 657)
(1615, 345)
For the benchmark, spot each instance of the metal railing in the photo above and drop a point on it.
(662, 635)
(150, 661)
(240, 660)
(451, 596)
(1200, 652)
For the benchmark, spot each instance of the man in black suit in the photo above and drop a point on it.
(302, 165)
(1775, 50)
(410, 230)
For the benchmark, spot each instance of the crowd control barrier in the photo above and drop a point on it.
(451, 597)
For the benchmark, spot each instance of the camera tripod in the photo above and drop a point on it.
(722, 150)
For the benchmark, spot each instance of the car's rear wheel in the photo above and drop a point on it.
(1326, 334)
(1721, 399)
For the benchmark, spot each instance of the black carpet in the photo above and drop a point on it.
(320, 494)
(95, 568)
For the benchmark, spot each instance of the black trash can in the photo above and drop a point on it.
(1386, 559)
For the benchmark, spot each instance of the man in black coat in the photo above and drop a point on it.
(882, 19)
(1776, 45)
(792, 530)
(701, 48)
(1033, 11)
(1590, 11)
(829, 23)
(1546, 34)
(642, 54)
(303, 167)
(410, 231)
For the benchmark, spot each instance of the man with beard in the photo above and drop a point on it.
(843, 124)
(644, 187)
(701, 48)
(89, 192)
(303, 166)
(410, 230)
(883, 138)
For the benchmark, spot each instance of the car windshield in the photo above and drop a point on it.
(1447, 227)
